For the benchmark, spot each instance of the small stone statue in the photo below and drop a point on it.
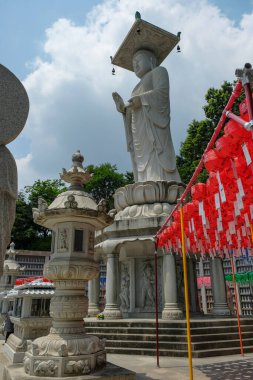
(63, 239)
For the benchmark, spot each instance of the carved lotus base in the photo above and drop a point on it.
(147, 210)
(147, 199)
(50, 367)
(63, 356)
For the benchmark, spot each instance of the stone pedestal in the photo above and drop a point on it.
(141, 208)
(109, 372)
(219, 288)
(93, 296)
(25, 329)
(112, 310)
(171, 309)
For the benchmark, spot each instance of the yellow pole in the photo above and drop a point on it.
(186, 295)
(251, 230)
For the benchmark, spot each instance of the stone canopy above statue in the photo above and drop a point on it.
(144, 35)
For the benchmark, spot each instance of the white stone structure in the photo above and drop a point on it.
(11, 269)
(142, 207)
(73, 216)
(30, 316)
(14, 106)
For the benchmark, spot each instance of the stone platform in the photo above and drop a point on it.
(209, 336)
(109, 372)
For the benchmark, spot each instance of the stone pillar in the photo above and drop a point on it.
(192, 286)
(93, 295)
(171, 309)
(237, 291)
(26, 307)
(220, 306)
(112, 310)
(203, 288)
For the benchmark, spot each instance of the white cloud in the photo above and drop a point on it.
(70, 90)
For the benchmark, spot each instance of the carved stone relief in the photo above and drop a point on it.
(125, 287)
(148, 285)
(45, 368)
(145, 285)
(90, 242)
(80, 367)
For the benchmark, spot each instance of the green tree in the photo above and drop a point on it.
(25, 233)
(47, 189)
(105, 180)
(28, 235)
(199, 133)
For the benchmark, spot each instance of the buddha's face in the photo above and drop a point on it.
(142, 62)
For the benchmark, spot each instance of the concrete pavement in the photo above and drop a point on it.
(233, 367)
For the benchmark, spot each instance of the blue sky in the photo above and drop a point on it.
(60, 50)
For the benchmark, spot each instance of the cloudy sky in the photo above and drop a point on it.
(60, 50)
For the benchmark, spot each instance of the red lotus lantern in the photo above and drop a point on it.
(236, 132)
(212, 185)
(212, 161)
(225, 147)
(198, 191)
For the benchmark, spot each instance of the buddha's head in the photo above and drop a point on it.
(143, 62)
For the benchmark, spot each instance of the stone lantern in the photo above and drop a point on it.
(11, 269)
(73, 217)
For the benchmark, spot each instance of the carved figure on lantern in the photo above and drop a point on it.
(63, 239)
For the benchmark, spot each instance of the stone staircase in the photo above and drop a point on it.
(210, 337)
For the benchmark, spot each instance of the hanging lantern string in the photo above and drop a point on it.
(235, 94)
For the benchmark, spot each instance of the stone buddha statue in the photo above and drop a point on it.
(147, 121)
(147, 113)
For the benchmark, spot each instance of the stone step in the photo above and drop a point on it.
(228, 343)
(209, 337)
(224, 336)
(179, 345)
(178, 353)
(145, 351)
(174, 338)
(168, 324)
(143, 345)
(133, 330)
(221, 352)
(140, 337)
(220, 330)
(164, 331)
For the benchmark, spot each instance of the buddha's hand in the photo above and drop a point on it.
(120, 105)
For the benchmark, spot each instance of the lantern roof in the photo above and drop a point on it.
(74, 204)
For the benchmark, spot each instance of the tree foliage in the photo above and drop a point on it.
(199, 133)
(25, 233)
(28, 235)
(105, 180)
